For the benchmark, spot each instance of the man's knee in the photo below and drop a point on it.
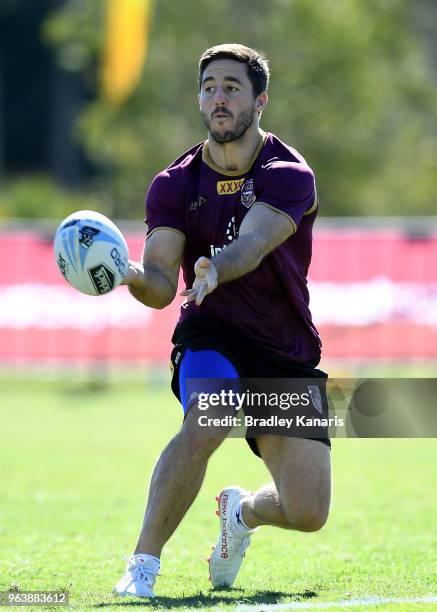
(306, 519)
(305, 510)
(202, 441)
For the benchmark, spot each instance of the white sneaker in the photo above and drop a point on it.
(139, 577)
(229, 552)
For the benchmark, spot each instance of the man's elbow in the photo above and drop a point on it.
(163, 297)
(159, 301)
(162, 302)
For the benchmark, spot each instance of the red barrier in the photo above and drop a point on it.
(373, 295)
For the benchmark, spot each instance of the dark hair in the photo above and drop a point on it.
(257, 65)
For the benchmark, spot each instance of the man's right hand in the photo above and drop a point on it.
(134, 275)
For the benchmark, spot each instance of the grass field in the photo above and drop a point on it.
(75, 460)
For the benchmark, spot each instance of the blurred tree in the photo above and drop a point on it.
(352, 89)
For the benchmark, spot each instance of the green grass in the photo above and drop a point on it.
(75, 461)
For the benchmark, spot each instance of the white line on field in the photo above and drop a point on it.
(308, 605)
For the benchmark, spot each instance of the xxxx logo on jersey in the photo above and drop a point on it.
(229, 187)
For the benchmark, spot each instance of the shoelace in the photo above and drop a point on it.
(138, 572)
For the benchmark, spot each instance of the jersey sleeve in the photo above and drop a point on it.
(289, 188)
(164, 204)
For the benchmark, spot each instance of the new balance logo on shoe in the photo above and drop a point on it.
(224, 504)
(229, 551)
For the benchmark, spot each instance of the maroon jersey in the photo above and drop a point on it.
(207, 205)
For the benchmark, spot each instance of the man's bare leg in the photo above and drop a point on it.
(176, 481)
(298, 499)
(300, 496)
(264, 508)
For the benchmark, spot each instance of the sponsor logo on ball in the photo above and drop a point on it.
(62, 264)
(119, 262)
(102, 278)
(86, 236)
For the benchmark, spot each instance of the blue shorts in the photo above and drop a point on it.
(202, 364)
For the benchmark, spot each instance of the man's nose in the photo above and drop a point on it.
(220, 96)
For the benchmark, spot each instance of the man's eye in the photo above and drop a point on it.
(208, 89)
(232, 88)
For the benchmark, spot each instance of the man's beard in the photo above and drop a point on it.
(243, 123)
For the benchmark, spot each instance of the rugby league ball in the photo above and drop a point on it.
(91, 252)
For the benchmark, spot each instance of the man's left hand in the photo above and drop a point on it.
(204, 283)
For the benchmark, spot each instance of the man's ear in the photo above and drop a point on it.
(262, 101)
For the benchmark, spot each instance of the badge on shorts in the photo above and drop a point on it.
(316, 398)
(248, 196)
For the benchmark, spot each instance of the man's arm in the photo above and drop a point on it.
(262, 230)
(155, 281)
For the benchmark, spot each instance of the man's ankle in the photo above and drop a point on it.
(246, 515)
(150, 560)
